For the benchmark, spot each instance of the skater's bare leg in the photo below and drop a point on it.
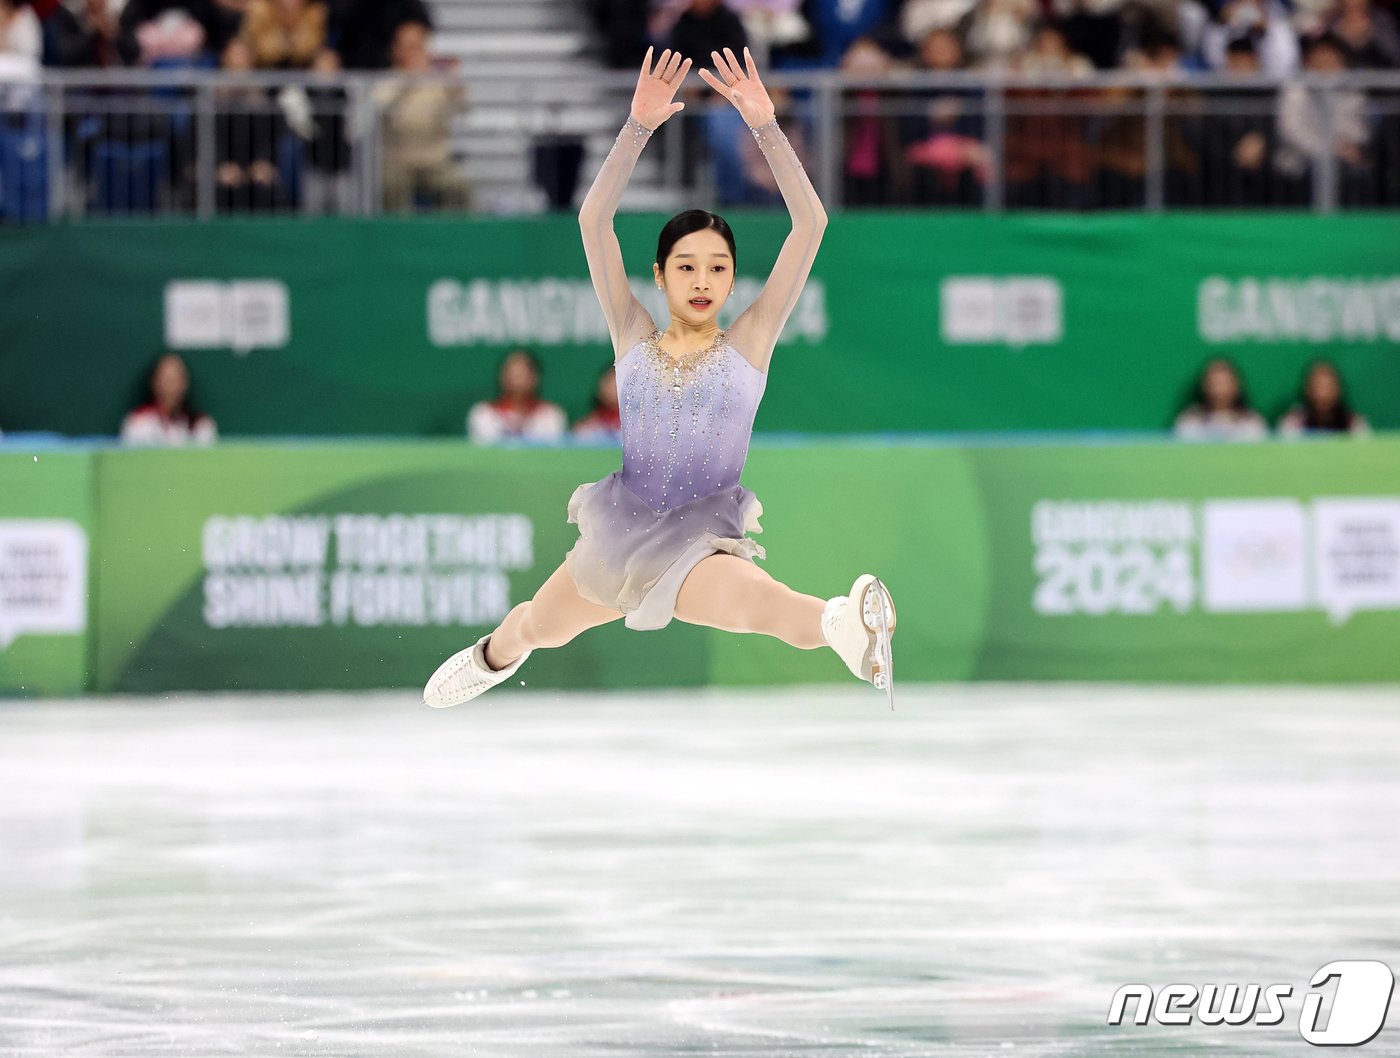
(554, 616)
(731, 593)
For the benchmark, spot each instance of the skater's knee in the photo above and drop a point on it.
(537, 631)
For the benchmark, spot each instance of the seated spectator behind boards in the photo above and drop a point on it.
(1219, 409)
(418, 117)
(284, 34)
(518, 410)
(167, 415)
(604, 422)
(1322, 406)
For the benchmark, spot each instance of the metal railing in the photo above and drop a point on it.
(200, 144)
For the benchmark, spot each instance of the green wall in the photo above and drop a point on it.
(266, 566)
(911, 322)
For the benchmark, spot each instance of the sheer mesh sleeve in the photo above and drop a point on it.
(761, 323)
(627, 319)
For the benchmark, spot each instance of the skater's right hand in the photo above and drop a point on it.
(651, 103)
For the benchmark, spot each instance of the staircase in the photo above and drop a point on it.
(534, 67)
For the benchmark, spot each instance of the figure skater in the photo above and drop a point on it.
(665, 536)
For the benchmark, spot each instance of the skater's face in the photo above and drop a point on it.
(698, 277)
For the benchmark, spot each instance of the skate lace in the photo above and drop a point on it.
(463, 679)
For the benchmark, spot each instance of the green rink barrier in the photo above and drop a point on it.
(311, 566)
(45, 537)
(255, 566)
(910, 322)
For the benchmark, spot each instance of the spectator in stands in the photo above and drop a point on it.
(174, 32)
(1049, 53)
(1238, 136)
(327, 183)
(1322, 406)
(167, 414)
(1369, 36)
(1000, 31)
(1219, 409)
(943, 140)
(518, 411)
(623, 24)
(418, 117)
(604, 421)
(1265, 23)
(285, 34)
(363, 31)
(1047, 155)
(21, 41)
(247, 131)
(81, 33)
(1123, 144)
(818, 33)
(706, 26)
(875, 170)
(1315, 120)
(918, 18)
(1093, 28)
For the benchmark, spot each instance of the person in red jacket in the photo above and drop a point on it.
(604, 422)
(518, 411)
(168, 415)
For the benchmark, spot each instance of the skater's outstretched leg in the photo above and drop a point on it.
(731, 593)
(555, 615)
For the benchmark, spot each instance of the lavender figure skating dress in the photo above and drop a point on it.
(686, 421)
(677, 499)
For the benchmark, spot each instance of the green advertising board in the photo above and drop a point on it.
(910, 322)
(353, 565)
(45, 522)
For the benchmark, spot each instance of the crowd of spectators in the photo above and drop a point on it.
(1248, 145)
(275, 146)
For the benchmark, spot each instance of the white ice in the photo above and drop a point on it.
(757, 873)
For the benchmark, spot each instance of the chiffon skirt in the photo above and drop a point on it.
(633, 559)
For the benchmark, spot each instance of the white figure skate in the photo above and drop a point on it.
(465, 675)
(858, 627)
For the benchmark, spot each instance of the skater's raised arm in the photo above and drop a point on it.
(651, 105)
(757, 328)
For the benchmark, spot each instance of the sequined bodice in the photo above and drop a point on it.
(686, 422)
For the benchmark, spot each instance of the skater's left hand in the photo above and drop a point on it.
(741, 87)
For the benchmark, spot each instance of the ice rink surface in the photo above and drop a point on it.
(760, 873)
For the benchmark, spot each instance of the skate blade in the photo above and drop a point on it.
(878, 614)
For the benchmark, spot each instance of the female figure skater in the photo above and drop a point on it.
(665, 536)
